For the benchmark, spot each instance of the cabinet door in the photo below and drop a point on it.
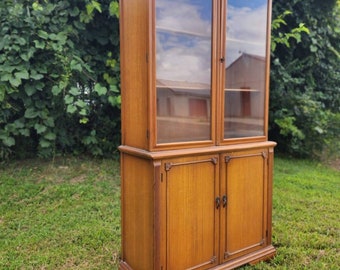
(244, 218)
(245, 68)
(191, 216)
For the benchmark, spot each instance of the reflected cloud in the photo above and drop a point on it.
(183, 40)
(183, 37)
(246, 30)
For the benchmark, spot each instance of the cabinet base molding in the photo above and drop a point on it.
(124, 266)
(252, 258)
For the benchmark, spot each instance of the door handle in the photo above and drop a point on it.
(218, 202)
(224, 200)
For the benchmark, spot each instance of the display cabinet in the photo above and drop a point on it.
(196, 163)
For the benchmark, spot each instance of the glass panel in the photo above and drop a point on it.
(183, 70)
(245, 70)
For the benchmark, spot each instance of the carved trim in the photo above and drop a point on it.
(262, 154)
(213, 260)
(169, 165)
(214, 160)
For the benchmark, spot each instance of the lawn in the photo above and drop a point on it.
(65, 214)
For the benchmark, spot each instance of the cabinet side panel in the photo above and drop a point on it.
(134, 71)
(137, 212)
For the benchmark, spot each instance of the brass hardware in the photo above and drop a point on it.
(227, 159)
(168, 166)
(214, 160)
(222, 59)
(218, 202)
(224, 200)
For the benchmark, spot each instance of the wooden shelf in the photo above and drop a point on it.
(240, 90)
(182, 32)
(245, 41)
(176, 85)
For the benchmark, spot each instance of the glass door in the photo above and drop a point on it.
(183, 70)
(245, 68)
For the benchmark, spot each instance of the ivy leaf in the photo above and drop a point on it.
(313, 48)
(115, 100)
(30, 90)
(24, 57)
(50, 136)
(94, 5)
(83, 112)
(24, 132)
(39, 44)
(80, 103)
(114, 88)
(2, 95)
(6, 77)
(44, 143)
(15, 81)
(18, 124)
(36, 76)
(49, 121)
(101, 90)
(76, 66)
(8, 141)
(74, 91)
(23, 74)
(68, 99)
(114, 9)
(21, 41)
(71, 108)
(43, 34)
(56, 90)
(84, 120)
(74, 12)
(40, 128)
(31, 113)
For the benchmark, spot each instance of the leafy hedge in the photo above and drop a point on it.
(305, 78)
(59, 77)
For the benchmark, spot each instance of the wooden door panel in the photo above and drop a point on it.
(245, 224)
(192, 218)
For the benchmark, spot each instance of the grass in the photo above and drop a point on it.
(306, 220)
(66, 215)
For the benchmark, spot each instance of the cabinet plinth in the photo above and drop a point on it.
(196, 163)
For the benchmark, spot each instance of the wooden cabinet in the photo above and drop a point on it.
(196, 163)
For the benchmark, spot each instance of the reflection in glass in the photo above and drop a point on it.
(245, 68)
(183, 70)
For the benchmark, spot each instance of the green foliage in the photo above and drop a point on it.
(305, 76)
(59, 73)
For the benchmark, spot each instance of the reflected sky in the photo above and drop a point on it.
(246, 28)
(183, 39)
